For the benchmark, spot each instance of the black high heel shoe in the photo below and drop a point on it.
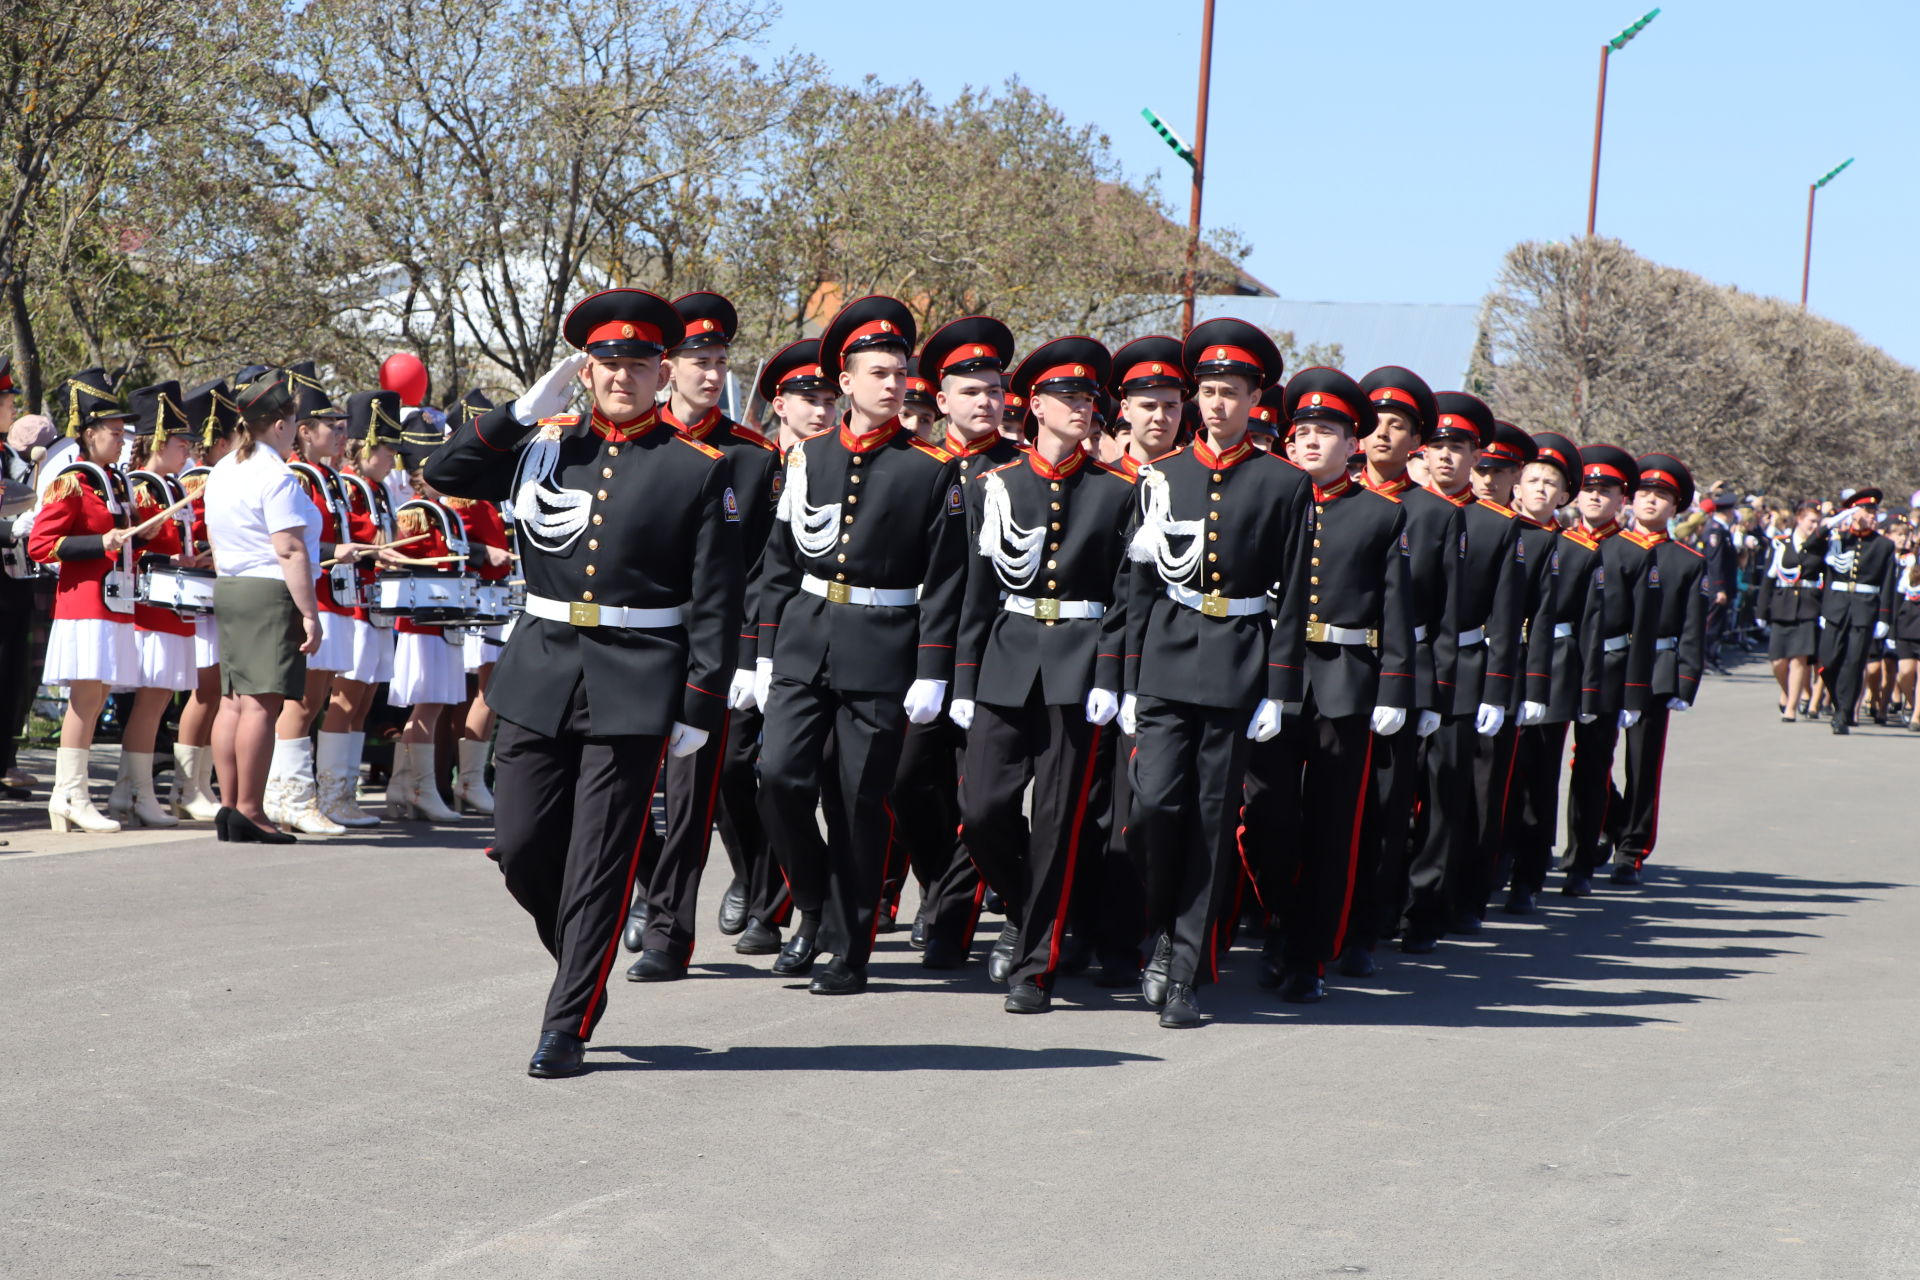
(220, 824)
(241, 830)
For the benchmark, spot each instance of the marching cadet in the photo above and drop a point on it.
(1530, 811)
(1036, 677)
(1219, 525)
(1856, 609)
(1607, 474)
(967, 362)
(1359, 686)
(1448, 881)
(1789, 601)
(860, 589)
(665, 899)
(1150, 385)
(920, 409)
(1670, 631)
(629, 540)
(1407, 415)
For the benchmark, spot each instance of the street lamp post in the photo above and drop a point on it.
(1806, 263)
(1607, 50)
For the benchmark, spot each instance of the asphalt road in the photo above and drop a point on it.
(227, 1061)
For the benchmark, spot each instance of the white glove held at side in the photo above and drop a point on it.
(1427, 722)
(961, 712)
(740, 690)
(1102, 706)
(1388, 721)
(1129, 714)
(1532, 712)
(1266, 720)
(684, 739)
(1489, 719)
(762, 681)
(923, 700)
(1628, 719)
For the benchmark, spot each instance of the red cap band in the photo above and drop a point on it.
(1554, 455)
(969, 351)
(1648, 479)
(1151, 369)
(1601, 471)
(921, 385)
(1500, 452)
(1223, 354)
(6, 383)
(1857, 500)
(1321, 400)
(1394, 395)
(623, 331)
(1267, 413)
(1457, 422)
(872, 329)
(1080, 371)
(804, 371)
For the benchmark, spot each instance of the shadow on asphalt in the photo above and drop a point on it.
(856, 1057)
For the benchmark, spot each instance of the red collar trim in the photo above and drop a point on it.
(699, 430)
(1538, 524)
(1394, 487)
(1047, 471)
(1464, 498)
(630, 430)
(872, 439)
(1130, 464)
(1647, 540)
(961, 447)
(1233, 457)
(1604, 532)
(1338, 489)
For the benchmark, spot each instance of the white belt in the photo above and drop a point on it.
(1049, 610)
(1562, 630)
(1666, 642)
(1326, 633)
(1419, 635)
(1217, 606)
(1614, 644)
(842, 593)
(584, 614)
(1470, 638)
(1858, 588)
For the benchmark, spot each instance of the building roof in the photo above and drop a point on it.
(1434, 339)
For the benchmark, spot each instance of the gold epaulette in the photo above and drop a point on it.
(194, 486)
(458, 504)
(706, 449)
(1580, 537)
(62, 488)
(932, 450)
(412, 522)
(559, 420)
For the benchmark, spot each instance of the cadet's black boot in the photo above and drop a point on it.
(1153, 979)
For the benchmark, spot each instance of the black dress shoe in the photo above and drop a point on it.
(1000, 959)
(758, 939)
(1840, 727)
(1358, 962)
(1181, 1008)
(220, 821)
(1577, 885)
(1626, 874)
(655, 965)
(636, 932)
(1464, 923)
(1272, 962)
(796, 957)
(559, 1054)
(733, 909)
(241, 830)
(1153, 978)
(1418, 944)
(1025, 997)
(1519, 902)
(838, 979)
(941, 954)
(917, 939)
(1303, 986)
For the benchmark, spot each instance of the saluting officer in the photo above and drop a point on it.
(629, 538)
(1220, 524)
(1603, 634)
(861, 588)
(1856, 610)
(696, 373)
(1037, 670)
(1359, 687)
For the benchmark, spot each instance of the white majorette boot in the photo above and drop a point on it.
(337, 766)
(411, 792)
(120, 799)
(70, 806)
(299, 797)
(192, 797)
(146, 808)
(470, 792)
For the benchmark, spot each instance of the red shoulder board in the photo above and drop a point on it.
(1494, 506)
(741, 432)
(706, 449)
(1580, 536)
(560, 420)
(1699, 555)
(1393, 498)
(1112, 471)
(932, 450)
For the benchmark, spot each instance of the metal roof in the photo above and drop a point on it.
(1434, 339)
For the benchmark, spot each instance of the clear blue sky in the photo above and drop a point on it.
(1718, 116)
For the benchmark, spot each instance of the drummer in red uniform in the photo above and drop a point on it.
(429, 670)
(210, 408)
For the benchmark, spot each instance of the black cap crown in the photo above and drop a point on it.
(794, 367)
(1328, 394)
(1147, 363)
(373, 418)
(86, 398)
(270, 393)
(309, 397)
(1510, 447)
(1557, 451)
(1231, 346)
(919, 390)
(158, 412)
(1458, 414)
(623, 324)
(6, 376)
(709, 321)
(1064, 365)
(969, 345)
(866, 324)
(1664, 471)
(1603, 463)
(210, 408)
(1394, 389)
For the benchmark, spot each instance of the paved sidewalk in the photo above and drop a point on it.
(307, 1062)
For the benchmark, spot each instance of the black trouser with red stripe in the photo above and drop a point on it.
(1533, 803)
(926, 809)
(1032, 866)
(670, 870)
(1590, 790)
(1189, 765)
(1446, 838)
(1305, 867)
(1386, 837)
(1107, 909)
(1272, 822)
(737, 818)
(837, 887)
(1493, 765)
(1646, 757)
(569, 814)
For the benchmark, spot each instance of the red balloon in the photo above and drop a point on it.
(403, 372)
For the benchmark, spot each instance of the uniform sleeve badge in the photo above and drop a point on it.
(1519, 550)
(1463, 544)
(1404, 549)
(1653, 576)
(731, 506)
(779, 480)
(955, 504)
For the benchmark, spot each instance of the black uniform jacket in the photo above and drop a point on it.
(662, 533)
(1492, 600)
(1853, 562)
(1539, 556)
(1609, 662)
(1357, 577)
(1254, 517)
(1906, 609)
(1790, 585)
(1553, 672)
(755, 463)
(1085, 509)
(1433, 543)
(896, 503)
(1670, 623)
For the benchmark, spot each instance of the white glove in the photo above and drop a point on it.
(1880, 631)
(684, 739)
(1388, 721)
(762, 681)
(1823, 623)
(1532, 712)
(923, 700)
(1102, 706)
(1266, 720)
(1488, 720)
(961, 712)
(1587, 717)
(550, 391)
(1679, 705)
(1427, 722)
(740, 692)
(1628, 719)
(1129, 714)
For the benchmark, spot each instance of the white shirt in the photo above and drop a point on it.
(247, 503)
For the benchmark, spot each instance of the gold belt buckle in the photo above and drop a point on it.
(839, 593)
(1316, 633)
(1214, 606)
(1373, 637)
(1046, 610)
(582, 613)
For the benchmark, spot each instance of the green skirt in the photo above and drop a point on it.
(260, 636)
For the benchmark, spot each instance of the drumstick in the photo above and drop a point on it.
(141, 528)
(328, 564)
(427, 560)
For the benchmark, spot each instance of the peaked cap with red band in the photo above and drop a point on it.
(1231, 346)
(1267, 415)
(623, 324)
(794, 367)
(1393, 389)
(1864, 498)
(1325, 393)
(864, 325)
(969, 345)
(1064, 365)
(1510, 447)
(709, 320)
(1557, 451)
(919, 390)
(1146, 363)
(1664, 471)
(1458, 414)
(1605, 462)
